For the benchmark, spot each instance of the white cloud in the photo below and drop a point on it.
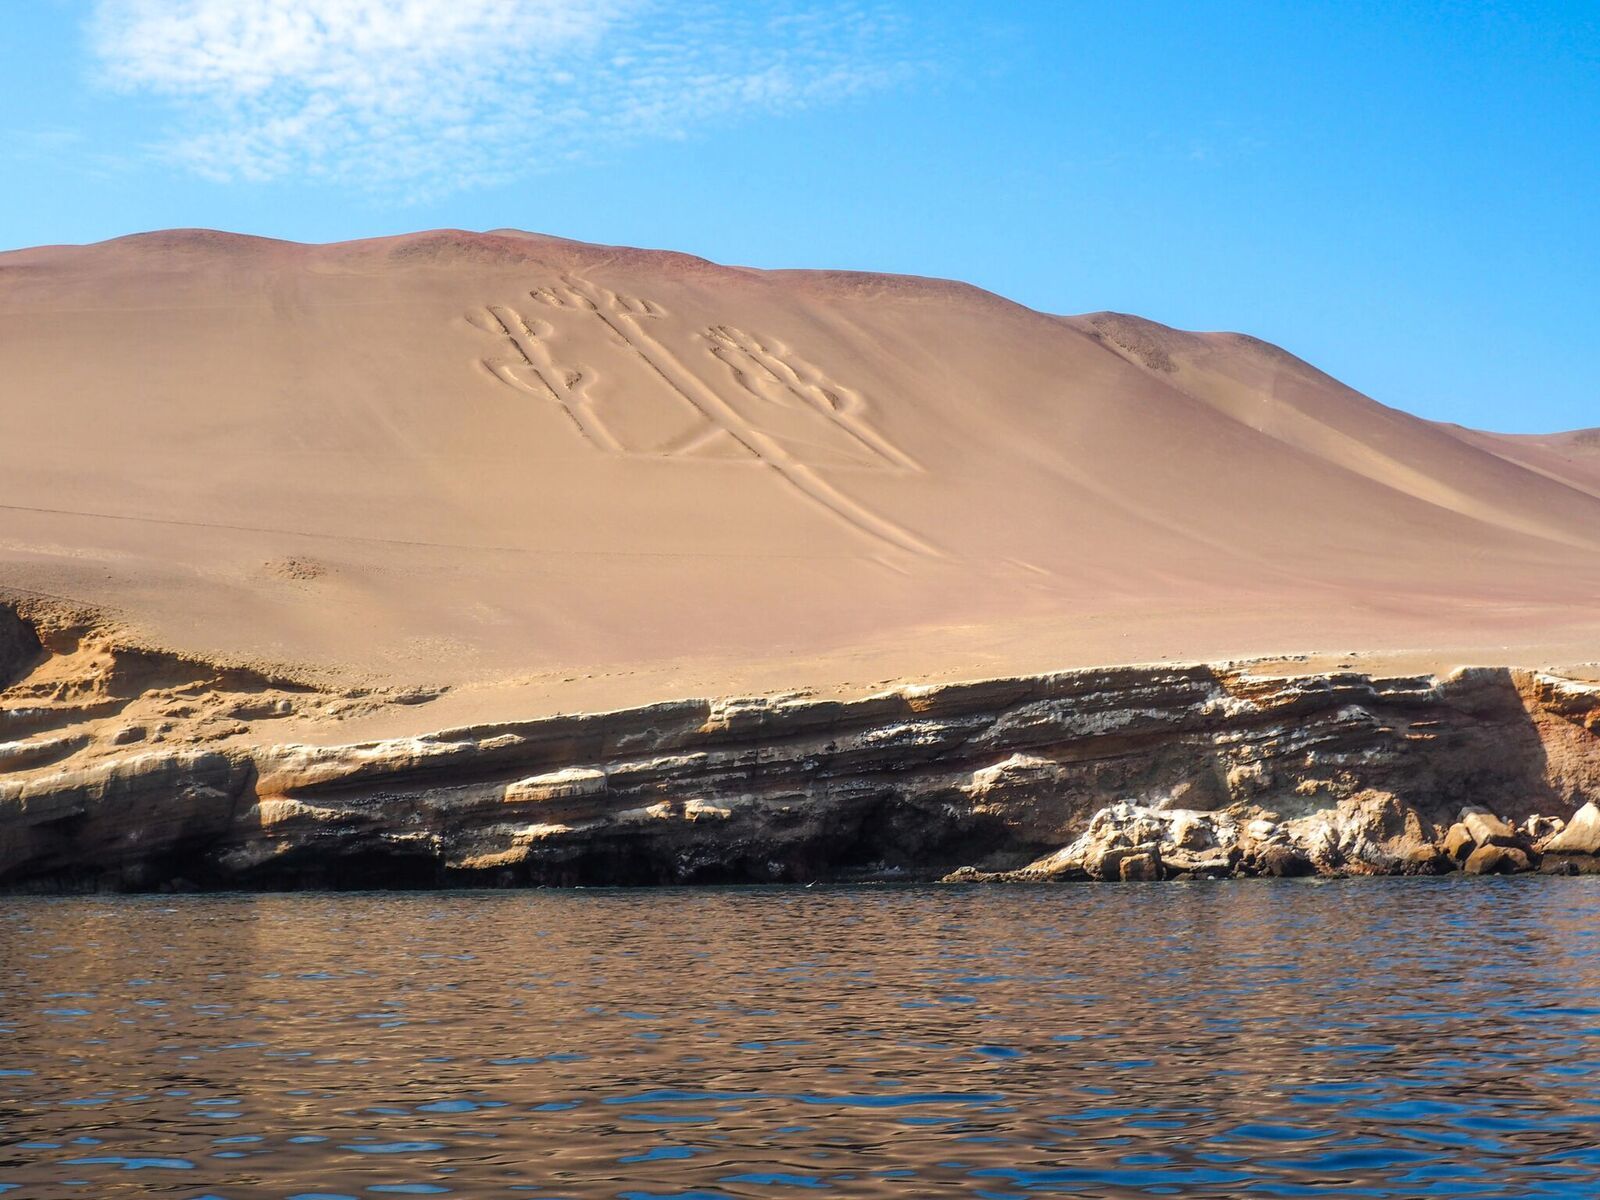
(429, 95)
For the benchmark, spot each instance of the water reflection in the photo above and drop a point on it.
(1365, 1038)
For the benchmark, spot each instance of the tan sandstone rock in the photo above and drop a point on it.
(1536, 827)
(1214, 863)
(1581, 835)
(1497, 860)
(1142, 867)
(1283, 862)
(1487, 829)
(568, 783)
(1459, 843)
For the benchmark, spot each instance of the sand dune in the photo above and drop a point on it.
(555, 475)
(1572, 458)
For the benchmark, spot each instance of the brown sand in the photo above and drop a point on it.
(555, 476)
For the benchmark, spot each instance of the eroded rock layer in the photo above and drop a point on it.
(124, 771)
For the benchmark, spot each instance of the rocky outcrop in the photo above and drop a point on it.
(1371, 834)
(1129, 773)
(131, 819)
(1581, 835)
(1569, 847)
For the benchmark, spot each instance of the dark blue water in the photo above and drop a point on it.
(1366, 1038)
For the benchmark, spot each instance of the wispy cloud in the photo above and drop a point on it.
(430, 95)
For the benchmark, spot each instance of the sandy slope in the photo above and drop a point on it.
(561, 476)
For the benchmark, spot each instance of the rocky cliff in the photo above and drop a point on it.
(122, 768)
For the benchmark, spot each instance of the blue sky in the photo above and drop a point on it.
(1406, 194)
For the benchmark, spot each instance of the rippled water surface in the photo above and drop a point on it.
(1366, 1038)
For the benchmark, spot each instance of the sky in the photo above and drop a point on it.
(1406, 194)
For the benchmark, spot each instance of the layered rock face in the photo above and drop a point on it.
(168, 775)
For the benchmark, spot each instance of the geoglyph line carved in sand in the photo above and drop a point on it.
(770, 373)
(533, 369)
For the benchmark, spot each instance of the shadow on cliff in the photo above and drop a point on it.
(1496, 754)
(20, 648)
(881, 837)
(1478, 737)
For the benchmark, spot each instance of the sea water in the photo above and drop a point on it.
(1375, 1038)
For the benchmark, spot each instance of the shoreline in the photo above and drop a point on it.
(819, 888)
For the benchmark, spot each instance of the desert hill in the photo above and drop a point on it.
(553, 475)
